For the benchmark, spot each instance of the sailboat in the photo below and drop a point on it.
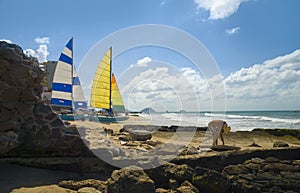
(105, 94)
(67, 97)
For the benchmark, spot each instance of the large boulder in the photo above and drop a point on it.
(128, 180)
(211, 181)
(170, 176)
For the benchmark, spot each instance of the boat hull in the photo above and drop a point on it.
(108, 119)
(71, 117)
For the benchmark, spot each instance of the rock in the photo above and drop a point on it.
(187, 187)
(280, 144)
(132, 128)
(164, 173)
(71, 130)
(8, 141)
(269, 175)
(10, 94)
(128, 180)
(140, 135)
(76, 185)
(5, 114)
(254, 145)
(161, 190)
(169, 149)
(224, 148)
(189, 150)
(236, 169)
(210, 181)
(271, 160)
(43, 189)
(279, 167)
(6, 126)
(173, 128)
(88, 190)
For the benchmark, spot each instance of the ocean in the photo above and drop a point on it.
(238, 120)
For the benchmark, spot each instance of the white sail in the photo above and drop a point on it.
(79, 101)
(63, 78)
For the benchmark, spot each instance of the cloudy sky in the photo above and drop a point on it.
(254, 43)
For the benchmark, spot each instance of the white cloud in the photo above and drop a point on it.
(5, 40)
(273, 84)
(174, 90)
(42, 40)
(42, 52)
(143, 62)
(232, 31)
(219, 9)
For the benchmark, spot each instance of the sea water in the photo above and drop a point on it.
(238, 120)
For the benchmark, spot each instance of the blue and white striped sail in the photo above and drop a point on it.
(63, 78)
(78, 96)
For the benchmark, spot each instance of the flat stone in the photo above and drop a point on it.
(280, 144)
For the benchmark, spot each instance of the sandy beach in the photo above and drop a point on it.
(242, 139)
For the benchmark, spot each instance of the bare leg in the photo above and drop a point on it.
(221, 135)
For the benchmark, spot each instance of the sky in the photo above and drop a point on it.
(254, 44)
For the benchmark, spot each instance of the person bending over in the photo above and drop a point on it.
(217, 127)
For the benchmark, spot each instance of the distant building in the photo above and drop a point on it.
(49, 69)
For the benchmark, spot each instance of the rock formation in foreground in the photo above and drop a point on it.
(255, 176)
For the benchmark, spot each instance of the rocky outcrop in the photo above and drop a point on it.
(28, 127)
(254, 175)
(269, 175)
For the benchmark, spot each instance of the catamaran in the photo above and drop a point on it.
(105, 94)
(67, 97)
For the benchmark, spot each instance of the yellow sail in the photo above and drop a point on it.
(101, 93)
(117, 102)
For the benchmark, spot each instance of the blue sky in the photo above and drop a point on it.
(238, 34)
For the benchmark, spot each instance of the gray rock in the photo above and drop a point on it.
(140, 135)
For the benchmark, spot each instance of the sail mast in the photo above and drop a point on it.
(72, 75)
(110, 107)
